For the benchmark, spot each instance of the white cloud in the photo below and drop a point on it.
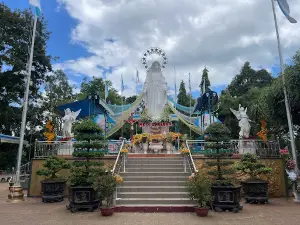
(221, 34)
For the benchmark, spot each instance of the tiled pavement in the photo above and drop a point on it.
(34, 212)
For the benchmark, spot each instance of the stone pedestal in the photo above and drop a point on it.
(145, 147)
(65, 148)
(247, 146)
(16, 194)
(156, 147)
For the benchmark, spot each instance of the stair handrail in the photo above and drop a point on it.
(118, 157)
(190, 157)
(25, 168)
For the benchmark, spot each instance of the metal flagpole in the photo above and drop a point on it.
(175, 87)
(122, 103)
(137, 83)
(24, 113)
(286, 101)
(190, 102)
(203, 113)
(175, 99)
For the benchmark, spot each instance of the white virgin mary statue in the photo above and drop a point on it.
(155, 91)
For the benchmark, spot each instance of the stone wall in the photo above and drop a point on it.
(34, 189)
(276, 179)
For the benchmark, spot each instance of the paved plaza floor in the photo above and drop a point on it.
(34, 212)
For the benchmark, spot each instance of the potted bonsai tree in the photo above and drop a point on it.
(199, 188)
(226, 196)
(255, 189)
(53, 186)
(89, 152)
(106, 185)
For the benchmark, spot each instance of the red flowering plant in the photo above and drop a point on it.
(65, 139)
(290, 164)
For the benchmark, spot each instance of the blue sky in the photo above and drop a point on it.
(60, 23)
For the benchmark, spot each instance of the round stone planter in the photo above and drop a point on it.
(107, 211)
(202, 212)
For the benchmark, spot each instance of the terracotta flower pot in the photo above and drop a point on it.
(107, 211)
(202, 212)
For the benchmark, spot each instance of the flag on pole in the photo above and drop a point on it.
(122, 83)
(37, 5)
(190, 87)
(285, 9)
(106, 89)
(175, 85)
(137, 76)
(137, 81)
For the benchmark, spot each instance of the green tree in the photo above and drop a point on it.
(58, 91)
(97, 86)
(130, 99)
(226, 116)
(248, 78)
(182, 97)
(272, 97)
(206, 79)
(249, 88)
(15, 33)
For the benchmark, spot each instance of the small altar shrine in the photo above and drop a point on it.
(160, 143)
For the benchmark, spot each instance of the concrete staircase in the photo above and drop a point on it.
(154, 184)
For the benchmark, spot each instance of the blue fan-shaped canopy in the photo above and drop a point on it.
(89, 107)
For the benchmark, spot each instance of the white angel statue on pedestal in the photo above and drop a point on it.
(68, 119)
(243, 118)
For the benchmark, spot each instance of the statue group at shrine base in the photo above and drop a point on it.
(155, 99)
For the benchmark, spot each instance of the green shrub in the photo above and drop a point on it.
(52, 166)
(88, 136)
(250, 165)
(218, 134)
(199, 189)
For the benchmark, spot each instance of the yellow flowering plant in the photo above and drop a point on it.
(175, 135)
(137, 139)
(184, 151)
(124, 151)
(49, 134)
(119, 179)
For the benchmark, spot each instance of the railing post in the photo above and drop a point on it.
(34, 154)
(184, 163)
(124, 163)
(116, 195)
